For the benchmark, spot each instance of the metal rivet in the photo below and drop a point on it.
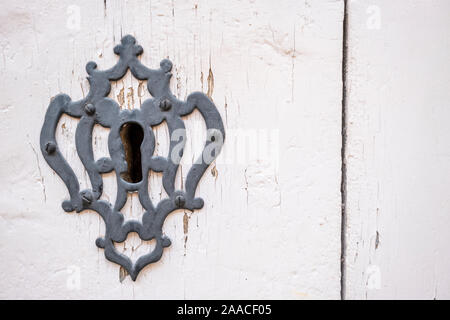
(165, 105)
(90, 109)
(100, 242)
(50, 147)
(180, 201)
(166, 65)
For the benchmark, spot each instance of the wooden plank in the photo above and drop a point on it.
(270, 227)
(398, 168)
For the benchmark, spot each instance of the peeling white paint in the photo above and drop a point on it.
(398, 150)
(265, 231)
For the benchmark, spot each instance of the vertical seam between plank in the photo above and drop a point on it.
(343, 152)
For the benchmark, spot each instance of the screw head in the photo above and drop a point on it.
(90, 109)
(165, 105)
(87, 197)
(50, 147)
(180, 201)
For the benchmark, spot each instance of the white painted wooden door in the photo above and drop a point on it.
(271, 226)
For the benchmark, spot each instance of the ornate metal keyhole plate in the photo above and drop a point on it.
(96, 108)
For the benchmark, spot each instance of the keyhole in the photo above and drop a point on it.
(132, 135)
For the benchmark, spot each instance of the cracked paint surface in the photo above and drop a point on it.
(272, 231)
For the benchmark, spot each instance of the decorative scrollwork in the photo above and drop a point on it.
(97, 108)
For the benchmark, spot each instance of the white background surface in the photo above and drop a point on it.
(271, 225)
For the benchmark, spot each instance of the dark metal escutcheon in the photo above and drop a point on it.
(96, 108)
